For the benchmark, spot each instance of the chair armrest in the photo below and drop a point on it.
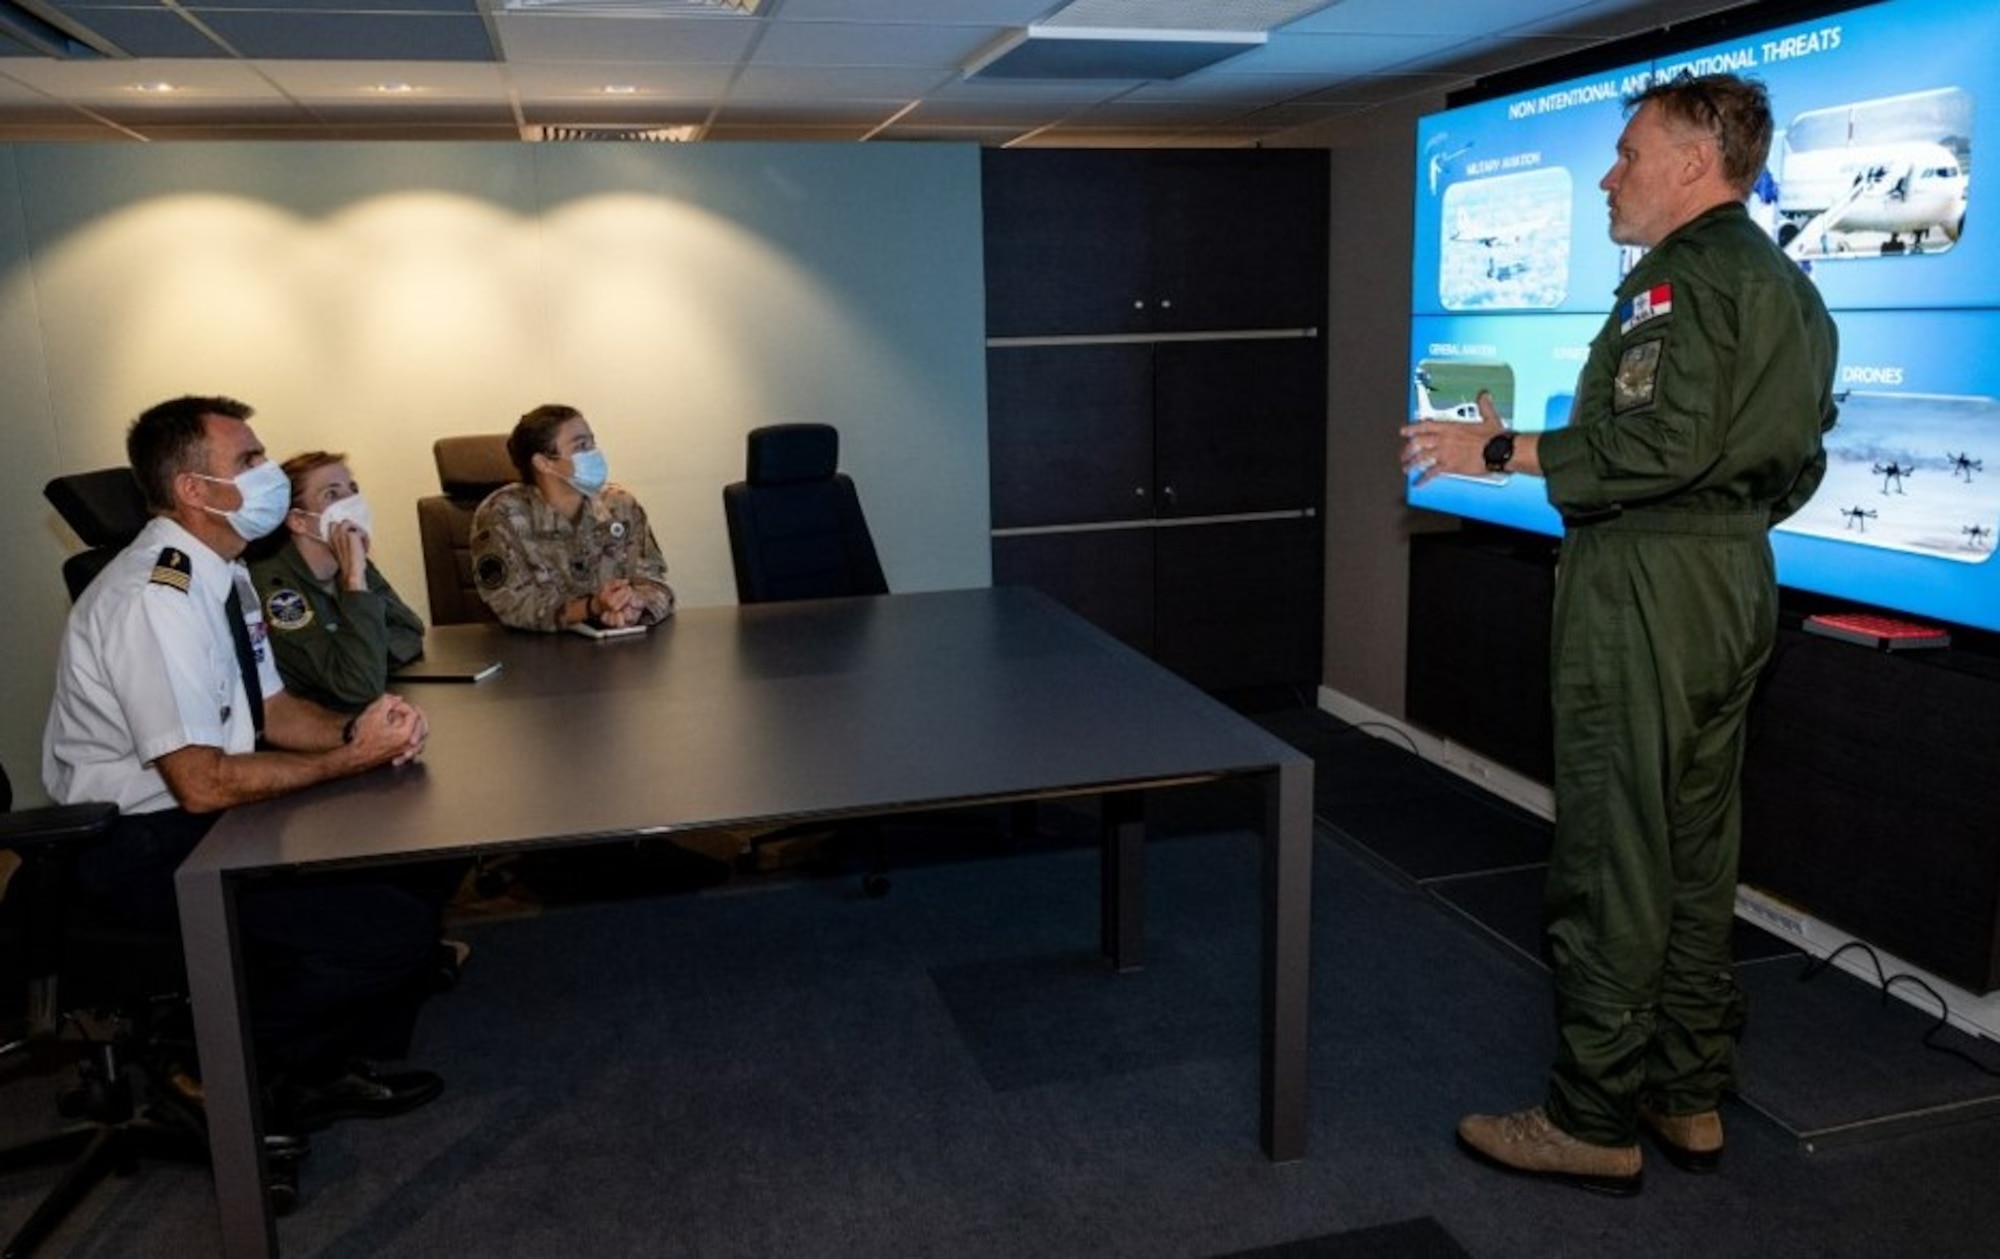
(51, 827)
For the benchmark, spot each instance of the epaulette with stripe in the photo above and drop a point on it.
(173, 568)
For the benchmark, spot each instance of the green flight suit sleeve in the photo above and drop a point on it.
(404, 627)
(1716, 403)
(1647, 421)
(335, 648)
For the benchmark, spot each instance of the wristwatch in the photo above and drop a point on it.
(1499, 451)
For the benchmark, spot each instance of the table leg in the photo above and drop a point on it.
(228, 1066)
(1122, 882)
(1287, 954)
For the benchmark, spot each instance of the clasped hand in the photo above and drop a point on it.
(616, 603)
(391, 730)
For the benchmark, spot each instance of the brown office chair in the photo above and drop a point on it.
(469, 468)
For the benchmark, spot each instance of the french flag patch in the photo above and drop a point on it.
(1651, 304)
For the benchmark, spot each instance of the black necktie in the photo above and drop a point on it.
(246, 658)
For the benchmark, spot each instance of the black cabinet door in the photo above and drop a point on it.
(1239, 239)
(1869, 799)
(1240, 426)
(1237, 604)
(1105, 577)
(1082, 242)
(1070, 433)
(1068, 247)
(1479, 646)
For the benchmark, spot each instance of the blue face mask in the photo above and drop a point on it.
(267, 496)
(588, 470)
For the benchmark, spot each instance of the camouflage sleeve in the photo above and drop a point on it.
(649, 571)
(515, 584)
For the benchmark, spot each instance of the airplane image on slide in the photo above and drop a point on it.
(1466, 380)
(1428, 409)
(1875, 178)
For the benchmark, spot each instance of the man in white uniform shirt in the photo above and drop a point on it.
(154, 711)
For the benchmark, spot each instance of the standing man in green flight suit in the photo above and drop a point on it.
(1697, 425)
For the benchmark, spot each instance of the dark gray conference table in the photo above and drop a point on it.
(774, 712)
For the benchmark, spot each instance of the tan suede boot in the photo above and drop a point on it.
(1692, 1143)
(1527, 1142)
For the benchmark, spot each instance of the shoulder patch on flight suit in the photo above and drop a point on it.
(1654, 303)
(1638, 373)
(286, 609)
(490, 572)
(173, 568)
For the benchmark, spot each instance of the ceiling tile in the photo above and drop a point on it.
(872, 44)
(574, 37)
(828, 69)
(354, 36)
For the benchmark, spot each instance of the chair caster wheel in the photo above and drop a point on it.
(282, 1189)
(286, 1150)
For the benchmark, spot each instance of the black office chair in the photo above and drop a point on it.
(100, 1000)
(104, 1000)
(796, 529)
(469, 468)
(106, 509)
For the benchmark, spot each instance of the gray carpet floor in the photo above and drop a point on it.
(784, 1067)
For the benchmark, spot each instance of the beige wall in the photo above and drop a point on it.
(373, 297)
(1367, 525)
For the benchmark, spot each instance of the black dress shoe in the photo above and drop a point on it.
(362, 1093)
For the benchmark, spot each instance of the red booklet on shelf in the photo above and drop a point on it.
(1871, 630)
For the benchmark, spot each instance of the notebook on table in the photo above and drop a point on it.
(446, 665)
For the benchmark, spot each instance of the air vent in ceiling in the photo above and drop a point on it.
(654, 135)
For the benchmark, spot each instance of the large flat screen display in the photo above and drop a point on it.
(1881, 114)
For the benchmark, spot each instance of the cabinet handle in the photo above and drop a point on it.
(1139, 305)
(1166, 303)
(1167, 492)
(1138, 491)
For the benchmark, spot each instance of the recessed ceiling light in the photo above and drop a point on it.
(154, 89)
(619, 89)
(641, 8)
(1184, 15)
(393, 89)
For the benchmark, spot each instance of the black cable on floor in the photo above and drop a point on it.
(1884, 983)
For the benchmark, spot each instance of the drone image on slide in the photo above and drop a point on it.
(1963, 466)
(1977, 537)
(1892, 473)
(1858, 517)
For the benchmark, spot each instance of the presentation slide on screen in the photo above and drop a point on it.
(1880, 113)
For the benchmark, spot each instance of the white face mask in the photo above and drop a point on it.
(353, 510)
(265, 489)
